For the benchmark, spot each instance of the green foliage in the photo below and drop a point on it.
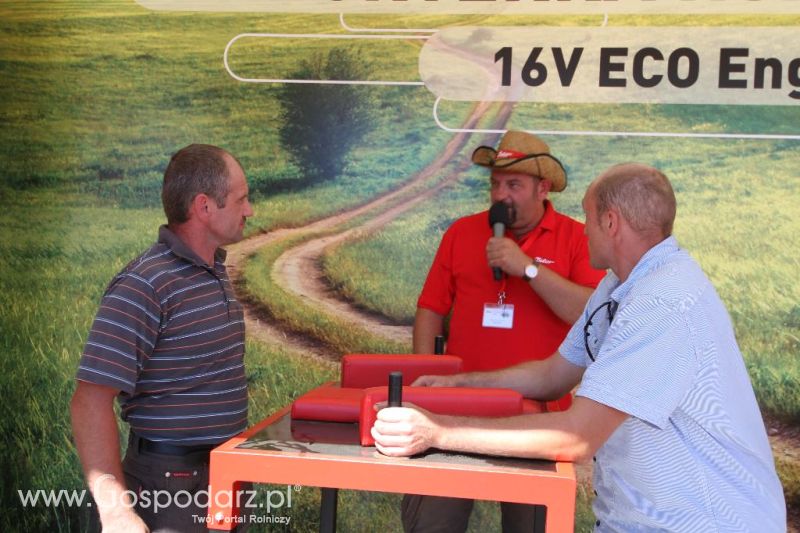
(322, 123)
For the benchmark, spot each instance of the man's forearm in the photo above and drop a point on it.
(427, 325)
(549, 379)
(536, 436)
(564, 297)
(572, 435)
(94, 428)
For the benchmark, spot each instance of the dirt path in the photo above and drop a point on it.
(298, 268)
(785, 441)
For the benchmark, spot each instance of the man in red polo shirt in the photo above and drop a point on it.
(525, 315)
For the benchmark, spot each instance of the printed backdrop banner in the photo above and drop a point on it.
(354, 121)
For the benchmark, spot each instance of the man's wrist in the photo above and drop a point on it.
(531, 270)
(438, 435)
(472, 379)
(125, 520)
(120, 513)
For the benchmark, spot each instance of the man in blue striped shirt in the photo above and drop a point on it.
(168, 343)
(664, 406)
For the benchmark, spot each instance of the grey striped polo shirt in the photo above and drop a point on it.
(169, 335)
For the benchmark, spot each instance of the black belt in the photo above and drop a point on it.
(163, 448)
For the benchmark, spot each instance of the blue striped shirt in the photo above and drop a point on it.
(693, 456)
(169, 335)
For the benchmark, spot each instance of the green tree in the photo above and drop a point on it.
(322, 123)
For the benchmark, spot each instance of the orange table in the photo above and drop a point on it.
(328, 455)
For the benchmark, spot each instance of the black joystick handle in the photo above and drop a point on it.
(395, 389)
(438, 345)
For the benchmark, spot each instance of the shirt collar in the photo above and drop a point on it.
(548, 221)
(650, 260)
(179, 248)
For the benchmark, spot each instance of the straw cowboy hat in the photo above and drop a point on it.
(523, 153)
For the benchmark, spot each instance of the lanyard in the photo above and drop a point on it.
(501, 293)
(528, 244)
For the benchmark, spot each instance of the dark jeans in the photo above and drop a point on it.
(436, 514)
(166, 490)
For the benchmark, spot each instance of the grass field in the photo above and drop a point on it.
(731, 216)
(95, 97)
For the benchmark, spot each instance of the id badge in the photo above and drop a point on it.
(498, 316)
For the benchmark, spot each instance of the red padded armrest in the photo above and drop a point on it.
(562, 404)
(460, 401)
(329, 403)
(360, 371)
(533, 406)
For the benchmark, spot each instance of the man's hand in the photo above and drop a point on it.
(404, 431)
(504, 253)
(436, 381)
(123, 520)
(564, 297)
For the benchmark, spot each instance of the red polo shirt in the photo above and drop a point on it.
(460, 279)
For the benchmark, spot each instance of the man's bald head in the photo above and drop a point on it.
(642, 195)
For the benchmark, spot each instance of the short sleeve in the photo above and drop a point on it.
(647, 362)
(123, 334)
(439, 288)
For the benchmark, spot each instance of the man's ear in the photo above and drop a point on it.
(611, 221)
(200, 207)
(544, 187)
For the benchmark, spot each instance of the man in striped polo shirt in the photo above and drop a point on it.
(664, 406)
(168, 343)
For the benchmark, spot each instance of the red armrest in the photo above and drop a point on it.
(533, 406)
(460, 401)
(360, 371)
(562, 404)
(329, 403)
(536, 406)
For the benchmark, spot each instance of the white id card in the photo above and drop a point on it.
(498, 316)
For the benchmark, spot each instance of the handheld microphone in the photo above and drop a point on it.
(499, 218)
